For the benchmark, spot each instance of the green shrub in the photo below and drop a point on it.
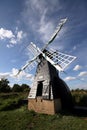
(79, 97)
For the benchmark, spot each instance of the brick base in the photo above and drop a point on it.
(44, 106)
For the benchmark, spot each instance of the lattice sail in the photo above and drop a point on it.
(38, 51)
(31, 66)
(32, 48)
(59, 60)
(63, 60)
(33, 62)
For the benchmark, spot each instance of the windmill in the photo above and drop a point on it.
(49, 93)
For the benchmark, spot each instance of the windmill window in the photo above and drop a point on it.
(39, 88)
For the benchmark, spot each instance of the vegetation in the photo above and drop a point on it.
(14, 114)
(11, 101)
(4, 87)
(22, 88)
(22, 119)
(79, 97)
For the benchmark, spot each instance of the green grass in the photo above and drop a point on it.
(9, 101)
(22, 119)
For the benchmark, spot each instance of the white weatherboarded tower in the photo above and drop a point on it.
(49, 93)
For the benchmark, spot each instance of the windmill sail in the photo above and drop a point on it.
(58, 59)
(60, 25)
(32, 48)
(61, 59)
(28, 64)
(36, 51)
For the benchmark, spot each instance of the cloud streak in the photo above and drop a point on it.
(36, 13)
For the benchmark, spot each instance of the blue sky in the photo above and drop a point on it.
(25, 21)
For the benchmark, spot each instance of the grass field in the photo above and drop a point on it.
(20, 118)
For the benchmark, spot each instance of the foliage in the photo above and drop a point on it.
(25, 88)
(79, 97)
(20, 88)
(16, 88)
(4, 87)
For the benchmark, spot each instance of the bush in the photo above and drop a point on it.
(79, 97)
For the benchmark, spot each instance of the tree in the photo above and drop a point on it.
(25, 87)
(4, 87)
(16, 88)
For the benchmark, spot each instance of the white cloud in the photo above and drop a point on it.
(13, 38)
(4, 75)
(9, 45)
(22, 75)
(13, 75)
(69, 78)
(4, 33)
(19, 35)
(14, 71)
(84, 73)
(77, 67)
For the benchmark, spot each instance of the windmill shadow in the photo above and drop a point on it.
(77, 110)
(80, 111)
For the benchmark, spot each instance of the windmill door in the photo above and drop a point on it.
(39, 88)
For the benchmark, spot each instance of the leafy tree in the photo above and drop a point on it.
(22, 88)
(16, 88)
(25, 87)
(4, 85)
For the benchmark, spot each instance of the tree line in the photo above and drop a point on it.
(5, 87)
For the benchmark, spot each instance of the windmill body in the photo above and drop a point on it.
(42, 85)
(49, 93)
